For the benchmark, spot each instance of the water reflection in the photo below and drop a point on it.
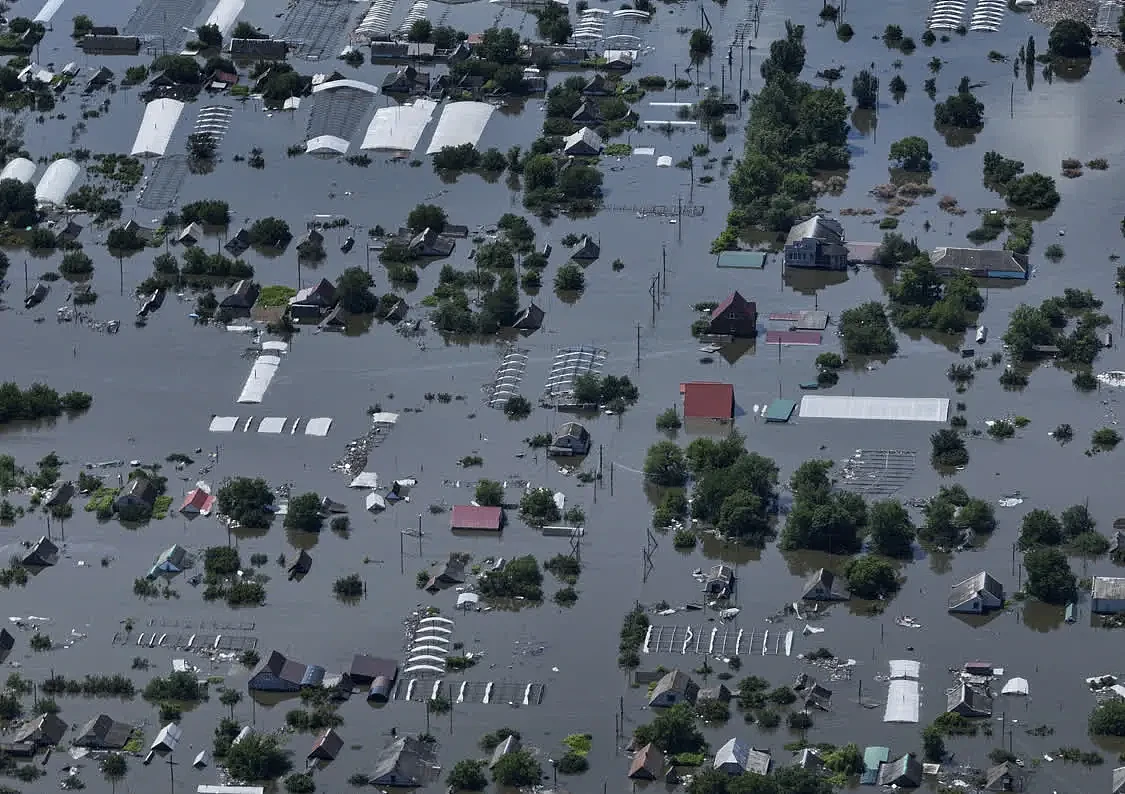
(1042, 617)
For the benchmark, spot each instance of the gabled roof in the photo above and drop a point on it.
(270, 49)
(819, 227)
(969, 701)
(474, 517)
(971, 588)
(43, 553)
(400, 764)
(990, 259)
(735, 751)
(141, 488)
(822, 578)
(44, 729)
(287, 670)
(647, 763)
(530, 319)
(996, 777)
(1119, 780)
(584, 141)
(587, 249)
(587, 111)
(904, 772)
(197, 501)
(510, 745)
(572, 430)
(104, 732)
(677, 682)
(708, 400)
(328, 746)
(596, 86)
(738, 304)
(322, 294)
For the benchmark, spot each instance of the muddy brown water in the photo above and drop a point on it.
(156, 389)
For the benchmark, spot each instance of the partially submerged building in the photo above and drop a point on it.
(43, 554)
(242, 297)
(708, 400)
(674, 688)
(103, 733)
(139, 493)
(529, 319)
(327, 747)
(197, 502)
(7, 642)
(733, 757)
(570, 439)
(720, 581)
(379, 675)
(976, 595)
(735, 316)
(167, 739)
(313, 302)
(429, 243)
(169, 562)
(821, 586)
(1107, 595)
(157, 126)
(903, 772)
(647, 763)
(816, 243)
(54, 186)
(510, 745)
(453, 573)
(402, 764)
(476, 518)
(95, 44)
(1008, 777)
(969, 701)
(277, 674)
(46, 730)
(583, 143)
(258, 49)
(981, 263)
(587, 250)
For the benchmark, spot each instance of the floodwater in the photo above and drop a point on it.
(156, 389)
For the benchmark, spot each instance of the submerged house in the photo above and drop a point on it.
(167, 739)
(104, 733)
(242, 298)
(327, 747)
(452, 574)
(367, 670)
(587, 250)
(674, 688)
(197, 503)
(237, 245)
(191, 235)
(258, 49)
(1107, 595)
(720, 581)
(821, 586)
(981, 263)
(301, 566)
(571, 439)
(312, 302)
(472, 517)
(647, 764)
(401, 764)
(1007, 777)
(42, 554)
(969, 701)
(169, 563)
(406, 81)
(976, 595)
(735, 316)
(816, 243)
(510, 745)
(46, 730)
(529, 319)
(733, 757)
(598, 85)
(708, 401)
(277, 674)
(429, 243)
(60, 495)
(583, 143)
(7, 642)
(138, 494)
(904, 772)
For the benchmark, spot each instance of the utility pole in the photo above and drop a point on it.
(401, 558)
(172, 773)
(638, 345)
(419, 535)
(27, 285)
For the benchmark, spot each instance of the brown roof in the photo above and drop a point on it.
(735, 302)
(708, 400)
(647, 763)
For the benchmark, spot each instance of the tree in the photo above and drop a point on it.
(426, 216)
(257, 757)
(1040, 528)
(209, 212)
(82, 26)
(353, 288)
(895, 249)
(201, 146)
(1077, 520)
(664, 465)
(846, 760)
(1028, 327)
(467, 775)
(570, 278)
(1049, 577)
(1070, 38)
(500, 45)
(912, 153)
(113, 768)
(230, 698)
(1033, 191)
(246, 30)
(17, 203)
(871, 577)
(933, 744)
(947, 448)
(700, 43)
(220, 561)
(538, 508)
(182, 69)
(866, 331)
(673, 730)
(787, 55)
(489, 493)
(865, 89)
(892, 530)
(269, 233)
(210, 36)
(581, 182)
(300, 783)
(517, 769)
(553, 23)
(742, 516)
(246, 500)
(539, 173)
(76, 263)
(941, 528)
(978, 516)
(304, 513)
(420, 30)
(1108, 718)
(962, 110)
(999, 170)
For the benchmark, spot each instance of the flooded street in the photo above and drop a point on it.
(156, 389)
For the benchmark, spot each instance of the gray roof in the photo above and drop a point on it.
(110, 44)
(400, 764)
(44, 729)
(104, 732)
(720, 693)
(140, 487)
(509, 745)
(7, 641)
(328, 746)
(572, 430)
(735, 751)
(824, 577)
(44, 552)
(974, 700)
(979, 259)
(269, 49)
(675, 681)
(1119, 780)
(286, 669)
(973, 586)
(1108, 587)
(904, 771)
(809, 758)
(585, 140)
(758, 761)
(994, 778)
(827, 230)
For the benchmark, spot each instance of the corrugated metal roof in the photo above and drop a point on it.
(793, 337)
(708, 400)
(474, 517)
(901, 409)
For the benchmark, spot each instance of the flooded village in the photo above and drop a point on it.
(705, 396)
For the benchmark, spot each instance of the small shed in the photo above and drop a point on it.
(1107, 595)
(821, 586)
(510, 745)
(734, 316)
(976, 595)
(674, 688)
(587, 250)
(529, 319)
(191, 235)
(477, 518)
(327, 747)
(647, 764)
(708, 400)
(570, 439)
(43, 554)
(366, 669)
(167, 739)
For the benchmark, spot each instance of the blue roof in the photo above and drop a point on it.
(314, 675)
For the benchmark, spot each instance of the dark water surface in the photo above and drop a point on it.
(156, 389)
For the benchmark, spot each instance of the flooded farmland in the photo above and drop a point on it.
(157, 388)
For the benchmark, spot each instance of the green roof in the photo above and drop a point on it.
(751, 260)
(780, 410)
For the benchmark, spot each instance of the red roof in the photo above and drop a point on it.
(793, 337)
(789, 317)
(472, 517)
(735, 302)
(197, 501)
(708, 400)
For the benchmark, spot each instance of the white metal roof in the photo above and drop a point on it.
(900, 409)
(362, 86)
(223, 424)
(272, 424)
(460, 123)
(399, 127)
(902, 701)
(49, 9)
(365, 479)
(156, 128)
(204, 789)
(326, 143)
(259, 379)
(169, 737)
(20, 168)
(318, 426)
(225, 14)
(905, 668)
(56, 181)
(1016, 686)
